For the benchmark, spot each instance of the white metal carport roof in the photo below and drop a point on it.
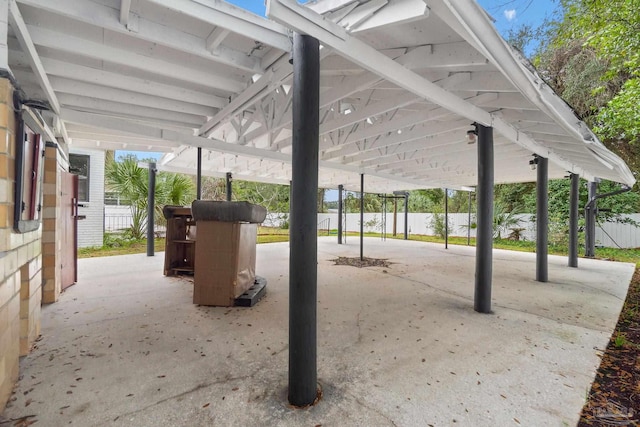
(401, 83)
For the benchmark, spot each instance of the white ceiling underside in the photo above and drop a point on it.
(401, 83)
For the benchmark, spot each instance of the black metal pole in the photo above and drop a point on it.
(199, 175)
(361, 217)
(469, 222)
(573, 220)
(151, 203)
(406, 216)
(446, 218)
(542, 219)
(303, 264)
(484, 236)
(590, 221)
(340, 189)
(229, 188)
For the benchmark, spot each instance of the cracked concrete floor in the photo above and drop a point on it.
(396, 346)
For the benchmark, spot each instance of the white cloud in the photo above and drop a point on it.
(510, 14)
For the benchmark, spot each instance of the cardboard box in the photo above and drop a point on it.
(225, 262)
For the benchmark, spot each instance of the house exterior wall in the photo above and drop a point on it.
(20, 261)
(91, 229)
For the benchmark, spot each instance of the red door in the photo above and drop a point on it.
(69, 224)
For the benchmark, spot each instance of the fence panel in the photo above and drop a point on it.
(608, 234)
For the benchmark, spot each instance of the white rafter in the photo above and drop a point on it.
(222, 14)
(27, 44)
(153, 32)
(110, 79)
(121, 56)
(125, 7)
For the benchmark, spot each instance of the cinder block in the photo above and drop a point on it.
(16, 240)
(24, 327)
(11, 261)
(6, 90)
(4, 215)
(4, 193)
(4, 166)
(4, 141)
(7, 290)
(23, 254)
(49, 296)
(4, 117)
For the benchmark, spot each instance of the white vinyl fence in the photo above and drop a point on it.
(608, 234)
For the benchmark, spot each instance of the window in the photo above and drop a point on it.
(29, 173)
(79, 165)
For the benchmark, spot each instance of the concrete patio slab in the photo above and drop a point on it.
(397, 346)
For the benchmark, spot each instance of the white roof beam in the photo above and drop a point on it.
(216, 37)
(125, 7)
(136, 112)
(103, 16)
(446, 55)
(398, 11)
(388, 145)
(222, 14)
(62, 85)
(27, 44)
(81, 73)
(478, 81)
(394, 158)
(119, 55)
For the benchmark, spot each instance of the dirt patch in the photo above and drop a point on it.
(614, 398)
(365, 262)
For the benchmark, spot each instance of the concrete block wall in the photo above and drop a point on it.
(20, 261)
(91, 229)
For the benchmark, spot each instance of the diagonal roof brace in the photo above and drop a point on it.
(306, 21)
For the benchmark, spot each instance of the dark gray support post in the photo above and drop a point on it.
(406, 216)
(151, 203)
(303, 258)
(542, 219)
(590, 221)
(340, 189)
(199, 175)
(484, 236)
(469, 222)
(573, 220)
(361, 216)
(229, 188)
(446, 218)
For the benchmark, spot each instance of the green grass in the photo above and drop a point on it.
(272, 235)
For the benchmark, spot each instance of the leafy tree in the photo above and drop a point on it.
(612, 29)
(131, 182)
(504, 219)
